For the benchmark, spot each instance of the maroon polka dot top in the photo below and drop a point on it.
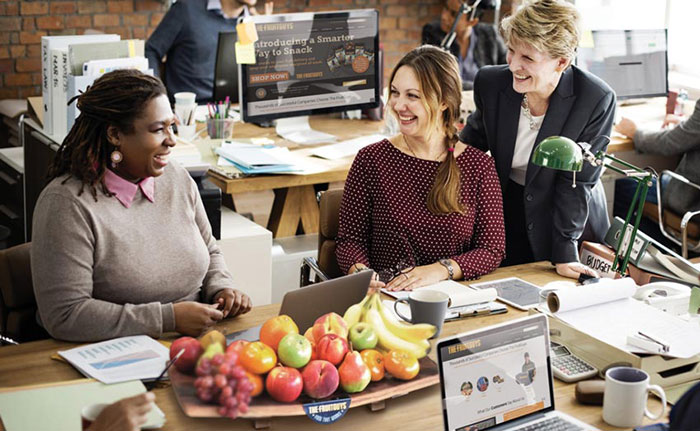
(384, 218)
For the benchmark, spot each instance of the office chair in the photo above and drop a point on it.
(17, 303)
(679, 229)
(326, 265)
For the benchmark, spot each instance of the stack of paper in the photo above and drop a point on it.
(254, 159)
(346, 148)
(119, 360)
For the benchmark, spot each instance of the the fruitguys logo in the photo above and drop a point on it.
(462, 347)
(327, 412)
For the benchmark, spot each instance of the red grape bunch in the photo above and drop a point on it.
(221, 380)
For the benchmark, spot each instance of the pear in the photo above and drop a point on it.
(354, 373)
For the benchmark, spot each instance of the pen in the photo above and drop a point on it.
(170, 363)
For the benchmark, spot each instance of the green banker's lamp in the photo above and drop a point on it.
(561, 153)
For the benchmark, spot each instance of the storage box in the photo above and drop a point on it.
(674, 375)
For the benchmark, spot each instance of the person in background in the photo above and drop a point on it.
(421, 195)
(682, 140)
(127, 414)
(121, 242)
(540, 94)
(188, 35)
(476, 44)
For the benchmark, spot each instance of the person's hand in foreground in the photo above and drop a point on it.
(232, 302)
(193, 318)
(574, 270)
(128, 414)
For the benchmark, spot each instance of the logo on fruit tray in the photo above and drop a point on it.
(327, 412)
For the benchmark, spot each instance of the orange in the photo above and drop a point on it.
(401, 364)
(375, 362)
(274, 329)
(257, 358)
(258, 384)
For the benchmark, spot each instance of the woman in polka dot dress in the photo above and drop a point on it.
(422, 206)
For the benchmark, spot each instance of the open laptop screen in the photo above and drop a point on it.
(495, 375)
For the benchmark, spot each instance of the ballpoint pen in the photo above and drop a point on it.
(151, 385)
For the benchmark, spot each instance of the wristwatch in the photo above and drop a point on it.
(450, 271)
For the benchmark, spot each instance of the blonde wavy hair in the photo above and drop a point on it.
(550, 26)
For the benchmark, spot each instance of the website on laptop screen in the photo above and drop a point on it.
(496, 375)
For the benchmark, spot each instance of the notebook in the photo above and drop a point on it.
(500, 377)
(306, 304)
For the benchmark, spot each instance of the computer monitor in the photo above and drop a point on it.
(311, 63)
(226, 69)
(633, 62)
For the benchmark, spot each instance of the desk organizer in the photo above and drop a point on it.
(675, 375)
(262, 407)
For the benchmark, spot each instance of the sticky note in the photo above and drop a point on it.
(245, 54)
(247, 33)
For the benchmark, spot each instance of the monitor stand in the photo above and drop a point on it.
(299, 131)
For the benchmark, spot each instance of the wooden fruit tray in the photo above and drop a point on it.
(265, 407)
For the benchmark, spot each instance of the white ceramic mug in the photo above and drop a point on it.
(625, 397)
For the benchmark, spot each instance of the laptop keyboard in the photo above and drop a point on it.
(552, 424)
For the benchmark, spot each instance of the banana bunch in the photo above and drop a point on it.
(393, 334)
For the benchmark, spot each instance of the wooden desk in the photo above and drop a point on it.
(30, 364)
(648, 114)
(295, 197)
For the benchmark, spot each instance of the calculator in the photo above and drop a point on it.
(567, 367)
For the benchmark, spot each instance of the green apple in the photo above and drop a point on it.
(294, 350)
(363, 336)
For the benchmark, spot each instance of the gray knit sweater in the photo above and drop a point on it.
(101, 270)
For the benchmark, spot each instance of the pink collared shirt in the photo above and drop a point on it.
(125, 190)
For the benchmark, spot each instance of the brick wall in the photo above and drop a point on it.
(22, 23)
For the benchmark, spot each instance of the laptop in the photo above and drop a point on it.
(307, 304)
(500, 378)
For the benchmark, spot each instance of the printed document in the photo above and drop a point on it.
(119, 360)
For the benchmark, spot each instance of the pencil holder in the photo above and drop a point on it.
(220, 128)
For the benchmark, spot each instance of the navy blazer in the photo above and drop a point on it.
(582, 107)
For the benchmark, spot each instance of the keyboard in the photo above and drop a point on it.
(554, 423)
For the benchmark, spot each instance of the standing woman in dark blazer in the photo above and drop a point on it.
(540, 94)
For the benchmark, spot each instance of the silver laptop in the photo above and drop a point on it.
(500, 378)
(307, 304)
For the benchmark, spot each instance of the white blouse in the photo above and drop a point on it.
(524, 142)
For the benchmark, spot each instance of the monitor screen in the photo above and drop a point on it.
(311, 63)
(496, 375)
(226, 69)
(633, 62)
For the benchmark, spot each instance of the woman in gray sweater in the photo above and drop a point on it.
(121, 243)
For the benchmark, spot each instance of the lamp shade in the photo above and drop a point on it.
(558, 152)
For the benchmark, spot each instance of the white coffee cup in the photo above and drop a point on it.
(185, 98)
(625, 397)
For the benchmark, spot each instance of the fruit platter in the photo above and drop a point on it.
(367, 355)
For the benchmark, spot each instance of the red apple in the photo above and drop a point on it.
(332, 348)
(354, 373)
(237, 346)
(321, 379)
(330, 323)
(193, 350)
(284, 384)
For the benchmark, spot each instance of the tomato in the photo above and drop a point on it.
(258, 384)
(375, 362)
(274, 329)
(258, 358)
(401, 365)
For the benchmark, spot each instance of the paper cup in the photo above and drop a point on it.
(185, 98)
(187, 132)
